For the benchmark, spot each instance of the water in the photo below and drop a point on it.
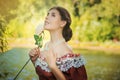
(100, 65)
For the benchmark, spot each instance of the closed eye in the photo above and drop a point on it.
(53, 14)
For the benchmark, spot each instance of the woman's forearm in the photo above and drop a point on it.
(58, 74)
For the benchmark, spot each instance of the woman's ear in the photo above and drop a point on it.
(63, 23)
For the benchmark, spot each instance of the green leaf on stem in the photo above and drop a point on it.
(38, 40)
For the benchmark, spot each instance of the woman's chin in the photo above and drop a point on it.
(47, 27)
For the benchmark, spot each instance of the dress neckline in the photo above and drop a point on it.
(68, 55)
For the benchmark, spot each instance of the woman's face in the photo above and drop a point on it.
(53, 20)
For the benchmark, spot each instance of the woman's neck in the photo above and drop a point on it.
(56, 36)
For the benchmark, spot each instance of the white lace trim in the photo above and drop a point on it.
(64, 64)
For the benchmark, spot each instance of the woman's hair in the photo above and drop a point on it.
(67, 32)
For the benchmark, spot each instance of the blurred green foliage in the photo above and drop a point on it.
(92, 20)
(3, 41)
(98, 21)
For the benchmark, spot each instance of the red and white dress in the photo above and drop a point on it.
(71, 65)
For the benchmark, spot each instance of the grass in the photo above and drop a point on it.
(100, 65)
(12, 61)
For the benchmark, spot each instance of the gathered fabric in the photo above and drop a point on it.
(71, 65)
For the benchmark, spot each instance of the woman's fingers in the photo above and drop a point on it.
(31, 53)
(38, 50)
(34, 58)
(34, 52)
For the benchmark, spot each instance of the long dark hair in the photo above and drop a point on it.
(67, 32)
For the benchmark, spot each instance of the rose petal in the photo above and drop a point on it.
(39, 29)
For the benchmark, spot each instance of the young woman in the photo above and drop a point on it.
(57, 61)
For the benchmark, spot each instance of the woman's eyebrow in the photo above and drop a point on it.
(53, 13)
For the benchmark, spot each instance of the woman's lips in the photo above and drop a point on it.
(46, 22)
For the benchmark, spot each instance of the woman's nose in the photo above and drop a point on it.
(46, 18)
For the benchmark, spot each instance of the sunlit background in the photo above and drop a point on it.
(96, 35)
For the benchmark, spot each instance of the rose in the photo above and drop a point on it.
(38, 35)
(39, 29)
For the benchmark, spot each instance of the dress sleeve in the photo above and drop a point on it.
(73, 68)
(76, 73)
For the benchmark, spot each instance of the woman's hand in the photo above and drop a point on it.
(50, 58)
(34, 54)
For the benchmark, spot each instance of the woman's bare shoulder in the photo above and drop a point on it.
(64, 50)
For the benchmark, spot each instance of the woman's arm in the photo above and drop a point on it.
(50, 58)
(58, 74)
